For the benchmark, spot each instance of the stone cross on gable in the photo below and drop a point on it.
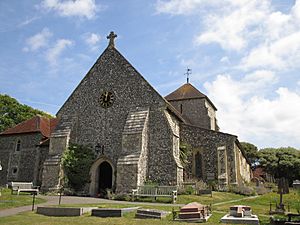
(111, 38)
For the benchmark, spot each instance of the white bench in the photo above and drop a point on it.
(155, 191)
(24, 187)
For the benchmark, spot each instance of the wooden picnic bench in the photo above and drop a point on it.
(23, 187)
(155, 191)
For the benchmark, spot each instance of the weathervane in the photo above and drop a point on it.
(188, 73)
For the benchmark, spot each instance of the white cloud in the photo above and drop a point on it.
(38, 40)
(224, 59)
(28, 21)
(53, 54)
(81, 8)
(234, 25)
(179, 7)
(244, 110)
(280, 54)
(263, 36)
(92, 40)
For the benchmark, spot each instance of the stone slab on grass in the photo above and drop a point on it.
(112, 212)
(151, 214)
(240, 220)
(195, 220)
(61, 211)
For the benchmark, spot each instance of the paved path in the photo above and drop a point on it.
(66, 200)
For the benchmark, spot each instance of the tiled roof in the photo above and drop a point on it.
(187, 91)
(35, 124)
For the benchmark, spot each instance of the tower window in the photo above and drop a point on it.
(15, 170)
(181, 109)
(18, 146)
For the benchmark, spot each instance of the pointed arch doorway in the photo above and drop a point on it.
(105, 176)
(102, 177)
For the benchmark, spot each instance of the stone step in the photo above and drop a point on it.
(53, 160)
(132, 126)
(132, 132)
(129, 159)
(151, 213)
(135, 120)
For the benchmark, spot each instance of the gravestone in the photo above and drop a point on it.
(60, 211)
(194, 212)
(112, 212)
(240, 214)
(151, 213)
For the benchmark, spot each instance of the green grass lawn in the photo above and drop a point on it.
(207, 199)
(260, 206)
(7, 200)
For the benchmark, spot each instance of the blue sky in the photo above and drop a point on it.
(244, 54)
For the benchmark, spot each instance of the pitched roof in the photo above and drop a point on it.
(35, 124)
(187, 91)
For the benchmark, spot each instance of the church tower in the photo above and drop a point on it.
(195, 107)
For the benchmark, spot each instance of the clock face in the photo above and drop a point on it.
(106, 99)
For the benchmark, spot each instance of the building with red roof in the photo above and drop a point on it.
(24, 149)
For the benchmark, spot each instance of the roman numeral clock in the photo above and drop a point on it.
(107, 99)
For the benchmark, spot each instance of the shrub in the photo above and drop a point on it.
(151, 183)
(186, 190)
(242, 190)
(298, 207)
(69, 191)
(270, 186)
(201, 185)
(77, 161)
(121, 197)
(261, 190)
(214, 185)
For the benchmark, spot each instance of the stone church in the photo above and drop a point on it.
(135, 133)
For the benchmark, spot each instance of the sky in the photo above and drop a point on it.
(244, 55)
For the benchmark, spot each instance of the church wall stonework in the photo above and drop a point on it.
(242, 166)
(209, 141)
(20, 165)
(196, 110)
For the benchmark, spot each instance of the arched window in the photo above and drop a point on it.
(198, 165)
(18, 146)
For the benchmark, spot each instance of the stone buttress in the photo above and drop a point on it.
(132, 164)
(59, 141)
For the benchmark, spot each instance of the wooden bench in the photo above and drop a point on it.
(23, 187)
(155, 191)
(291, 221)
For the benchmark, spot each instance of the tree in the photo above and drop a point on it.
(77, 161)
(251, 152)
(12, 112)
(281, 162)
